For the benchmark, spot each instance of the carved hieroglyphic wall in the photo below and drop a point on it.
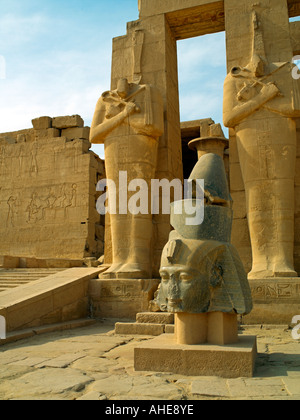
(47, 194)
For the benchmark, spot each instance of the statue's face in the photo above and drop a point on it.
(183, 289)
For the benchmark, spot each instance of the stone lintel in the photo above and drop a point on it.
(294, 8)
(155, 7)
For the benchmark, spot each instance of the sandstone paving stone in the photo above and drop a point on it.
(156, 388)
(92, 396)
(13, 372)
(81, 373)
(256, 388)
(295, 373)
(290, 347)
(93, 364)
(56, 349)
(94, 337)
(138, 387)
(124, 352)
(115, 385)
(292, 386)
(210, 387)
(62, 361)
(45, 382)
(7, 358)
(276, 370)
(94, 346)
(31, 361)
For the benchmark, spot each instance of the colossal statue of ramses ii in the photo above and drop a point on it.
(261, 102)
(129, 121)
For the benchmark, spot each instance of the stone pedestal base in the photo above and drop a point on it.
(215, 328)
(163, 354)
(121, 299)
(276, 301)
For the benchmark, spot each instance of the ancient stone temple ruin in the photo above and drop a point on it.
(49, 176)
(48, 194)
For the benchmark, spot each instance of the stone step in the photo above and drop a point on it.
(32, 332)
(136, 328)
(14, 278)
(12, 285)
(52, 299)
(20, 280)
(163, 318)
(25, 276)
(148, 323)
(27, 273)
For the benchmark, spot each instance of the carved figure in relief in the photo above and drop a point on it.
(12, 201)
(260, 102)
(38, 204)
(36, 209)
(70, 197)
(129, 121)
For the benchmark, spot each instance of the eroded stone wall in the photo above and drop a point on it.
(48, 191)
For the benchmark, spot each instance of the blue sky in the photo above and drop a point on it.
(58, 61)
(57, 56)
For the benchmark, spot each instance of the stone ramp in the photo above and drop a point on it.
(12, 278)
(60, 297)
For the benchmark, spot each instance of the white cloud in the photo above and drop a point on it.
(56, 67)
(18, 30)
(67, 83)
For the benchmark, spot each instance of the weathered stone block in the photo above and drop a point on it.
(170, 329)
(162, 318)
(76, 133)
(67, 122)
(47, 133)
(276, 301)
(42, 123)
(121, 299)
(9, 262)
(139, 329)
(48, 197)
(162, 354)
